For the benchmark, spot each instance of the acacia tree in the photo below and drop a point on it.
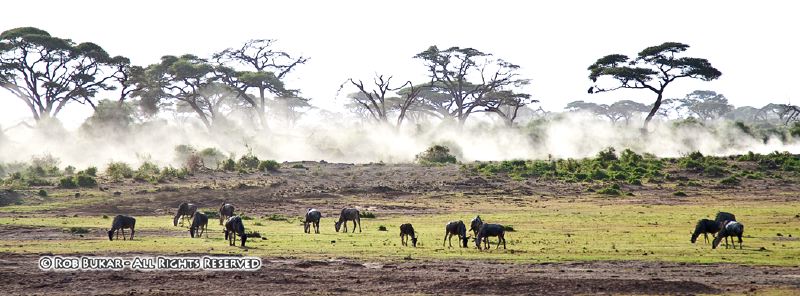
(378, 100)
(506, 104)
(467, 75)
(653, 69)
(706, 104)
(626, 109)
(266, 70)
(48, 72)
(188, 80)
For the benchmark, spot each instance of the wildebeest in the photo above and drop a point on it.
(488, 230)
(348, 214)
(225, 212)
(119, 224)
(704, 227)
(199, 224)
(729, 228)
(185, 210)
(721, 218)
(234, 227)
(407, 230)
(724, 216)
(475, 225)
(455, 228)
(312, 219)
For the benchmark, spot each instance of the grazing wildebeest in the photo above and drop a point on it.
(724, 216)
(199, 224)
(721, 218)
(185, 210)
(729, 228)
(225, 212)
(704, 227)
(488, 230)
(119, 224)
(312, 219)
(348, 214)
(475, 225)
(234, 227)
(407, 230)
(455, 228)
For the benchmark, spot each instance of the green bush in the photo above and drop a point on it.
(366, 215)
(436, 154)
(118, 171)
(607, 155)
(229, 165)
(248, 162)
(67, 182)
(610, 191)
(268, 165)
(91, 171)
(42, 193)
(85, 180)
(730, 181)
(69, 170)
(148, 171)
(382, 228)
(679, 193)
(78, 230)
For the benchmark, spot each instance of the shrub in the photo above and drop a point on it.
(730, 181)
(212, 214)
(268, 165)
(245, 217)
(42, 193)
(679, 193)
(45, 165)
(193, 163)
(714, 171)
(67, 182)
(248, 162)
(607, 155)
(229, 165)
(610, 191)
(105, 216)
(298, 166)
(85, 180)
(148, 171)
(366, 215)
(436, 154)
(277, 217)
(69, 170)
(91, 171)
(382, 228)
(118, 171)
(252, 233)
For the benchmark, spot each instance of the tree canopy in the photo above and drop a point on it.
(654, 68)
(48, 72)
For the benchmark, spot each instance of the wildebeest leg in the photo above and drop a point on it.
(132, 233)
(740, 242)
(358, 219)
(316, 226)
(705, 235)
(450, 240)
(445, 238)
(123, 233)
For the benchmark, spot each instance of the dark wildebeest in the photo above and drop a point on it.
(455, 228)
(185, 210)
(721, 218)
(234, 227)
(119, 224)
(729, 228)
(724, 216)
(407, 230)
(488, 230)
(225, 212)
(704, 227)
(312, 219)
(348, 214)
(199, 224)
(475, 225)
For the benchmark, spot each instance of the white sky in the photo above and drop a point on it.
(754, 44)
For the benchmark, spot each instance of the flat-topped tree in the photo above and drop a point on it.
(654, 69)
(48, 72)
(467, 75)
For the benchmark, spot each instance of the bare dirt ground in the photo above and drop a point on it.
(20, 275)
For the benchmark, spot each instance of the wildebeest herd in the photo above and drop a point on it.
(723, 226)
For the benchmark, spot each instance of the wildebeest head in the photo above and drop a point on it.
(464, 241)
(337, 225)
(244, 239)
(111, 235)
(414, 241)
(191, 231)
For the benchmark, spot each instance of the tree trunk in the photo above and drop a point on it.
(653, 111)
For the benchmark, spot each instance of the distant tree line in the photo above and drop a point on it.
(251, 81)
